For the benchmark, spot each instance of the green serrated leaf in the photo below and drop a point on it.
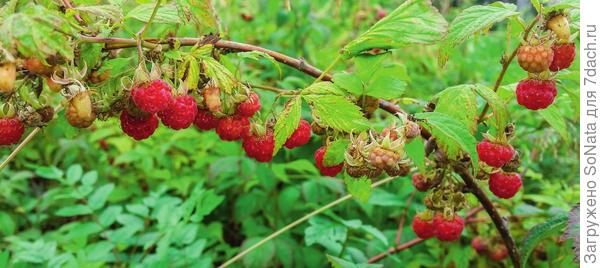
(165, 14)
(552, 115)
(470, 21)
(100, 195)
(451, 135)
(415, 150)
(349, 82)
(223, 78)
(193, 73)
(257, 55)
(111, 12)
(201, 13)
(359, 188)
(415, 22)
(459, 102)
(539, 233)
(287, 122)
(387, 82)
(341, 263)
(335, 152)
(497, 105)
(333, 109)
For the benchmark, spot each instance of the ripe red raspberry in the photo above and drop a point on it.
(535, 59)
(138, 127)
(259, 147)
(233, 128)
(536, 94)
(564, 54)
(331, 171)
(494, 154)
(448, 229)
(423, 228)
(152, 97)
(180, 114)
(205, 120)
(300, 136)
(420, 182)
(11, 130)
(250, 106)
(498, 253)
(505, 185)
(479, 245)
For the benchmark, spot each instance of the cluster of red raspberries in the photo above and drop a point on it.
(497, 155)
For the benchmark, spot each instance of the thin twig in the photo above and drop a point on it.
(270, 88)
(296, 223)
(70, 5)
(140, 34)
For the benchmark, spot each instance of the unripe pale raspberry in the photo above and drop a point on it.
(505, 185)
(138, 127)
(300, 136)
(180, 114)
(564, 54)
(423, 228)
(536, 94)
(8, 76)
(11, 130)
(233, 128)
(259, 147)
(152, 97)
(330, 171)
(448, 229)
(250, 106)
(79, 111)
(494, 154)
(383, 159)
(205, 120)
(535, 59)
(559, 24)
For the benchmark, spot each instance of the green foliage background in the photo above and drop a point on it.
(93, 198)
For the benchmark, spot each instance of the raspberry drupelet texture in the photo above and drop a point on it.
(233, 128)
(152, 97)
(205, 120)
(535, 59)
(564, 54)
(180, 114)
(448, 229)
(423, 228)
(250, 106)
(536, 94)
(138, 127)
(494, 154)
(259, 147)
(383, 159)
(505, 185)
(11, 130)
(300, 137)
(331, 171)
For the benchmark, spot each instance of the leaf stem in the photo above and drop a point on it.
(298, 222)
(140, 34)
(328, 69)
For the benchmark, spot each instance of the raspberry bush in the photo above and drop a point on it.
(202, 133)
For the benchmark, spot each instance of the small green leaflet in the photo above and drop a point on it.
(496, 103)
(471, 21)
(256, 55)
(333, 109)
(556, 120)
(459, 102)
(193, 73)
(335, 152)
(341, 263)
(451, 135)
(563, 4)
(219, 73)
(111, 12)
(415, 22)
(359, 188)
(539, 233)
(416, 152)
(199, 12)
(164, 14)
(287, 122)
